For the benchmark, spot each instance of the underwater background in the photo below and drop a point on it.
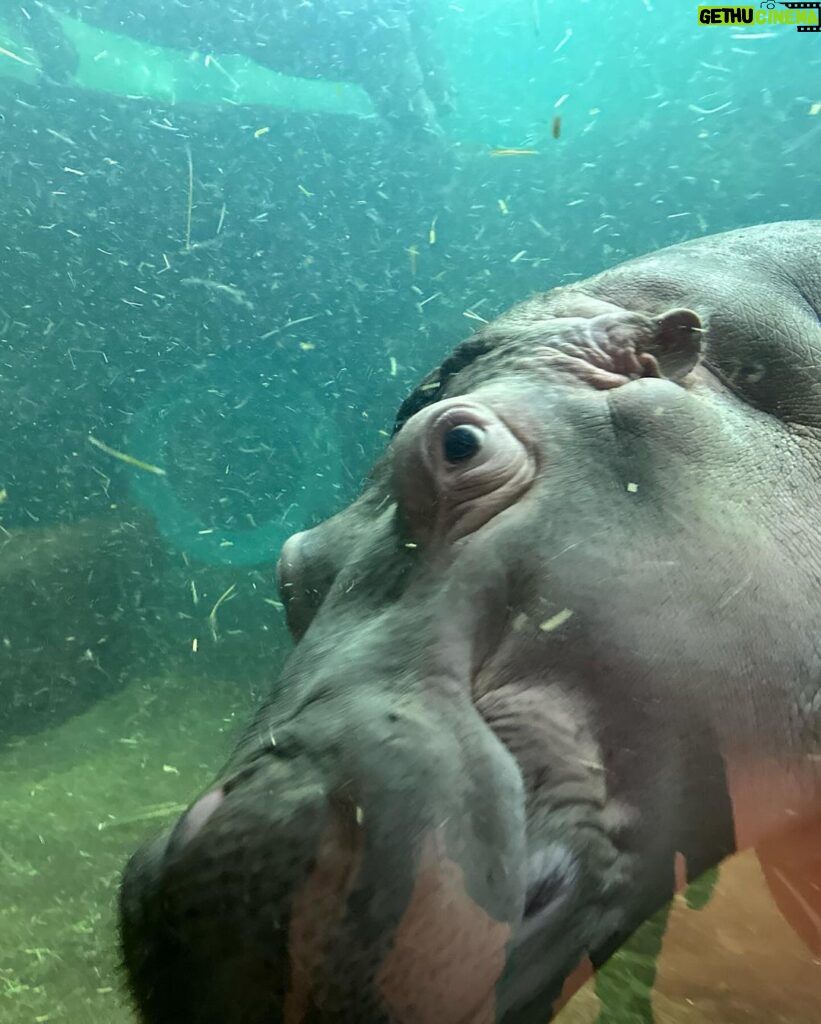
(217, 284)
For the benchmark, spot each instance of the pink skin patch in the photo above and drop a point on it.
(196, 817)
(448, 953)
(289, 557)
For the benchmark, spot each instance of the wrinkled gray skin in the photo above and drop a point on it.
(386, 46)
(574, 610)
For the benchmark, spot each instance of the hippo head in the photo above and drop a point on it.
(570, 617)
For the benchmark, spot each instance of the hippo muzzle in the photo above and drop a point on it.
(360, 854)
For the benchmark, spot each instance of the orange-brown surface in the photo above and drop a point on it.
(737, 960)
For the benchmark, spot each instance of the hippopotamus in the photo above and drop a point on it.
(559, 657)
(386, 46)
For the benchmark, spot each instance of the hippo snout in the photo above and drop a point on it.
(218, 893)
(352, 872)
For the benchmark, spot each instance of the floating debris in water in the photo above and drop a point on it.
(432, 231)
(556, 620)
(709, 110)
(556, 126)
(211, 59)
(237, 295)
(260, 132)
(568, 32)
(61, 137)
(190, 207)
(305, 191)
(212, 615)
(514, 152)
(290, 323)
(430, 298)
(520, 622)
(13, 56)
(413, 253)
(815, 109)
(124, 457)
(392, 362)
(503, 209)
(168, 810)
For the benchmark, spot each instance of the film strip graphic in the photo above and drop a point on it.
(816, 6)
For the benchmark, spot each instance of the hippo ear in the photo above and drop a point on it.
(676, 344)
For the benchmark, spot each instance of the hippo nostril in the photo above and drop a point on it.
(194, 819)
(461, 443)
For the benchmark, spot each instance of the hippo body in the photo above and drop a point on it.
(387, 48)
(560, 656)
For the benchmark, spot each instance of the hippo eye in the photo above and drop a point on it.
(461, 443)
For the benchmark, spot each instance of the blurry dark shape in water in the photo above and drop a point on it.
(537, 19)
(44, 34)
(802, 140)
(72, 581)
(388, 47)
(556, 127)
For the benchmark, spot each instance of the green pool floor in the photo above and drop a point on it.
(74, 802)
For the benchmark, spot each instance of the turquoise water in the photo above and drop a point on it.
(302, 210)
(233, 276)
